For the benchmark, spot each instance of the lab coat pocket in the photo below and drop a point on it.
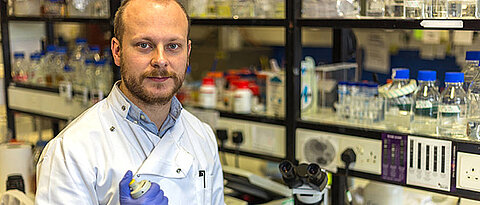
(204, 187)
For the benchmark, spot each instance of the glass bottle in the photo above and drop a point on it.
(452, 109)
(470, 70)
(473, 128)
(425, 107)
(399, 101)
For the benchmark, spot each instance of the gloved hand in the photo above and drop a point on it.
(153, 196)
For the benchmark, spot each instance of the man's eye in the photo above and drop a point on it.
(173, 46)
(143, 45)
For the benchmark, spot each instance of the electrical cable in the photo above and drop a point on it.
(347, 190)
(348, 157)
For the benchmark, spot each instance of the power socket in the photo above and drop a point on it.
(429, 162)
(468, 171)
(318, 147)
(368, 153)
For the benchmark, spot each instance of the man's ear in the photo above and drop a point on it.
(189, 47)
(115, 47)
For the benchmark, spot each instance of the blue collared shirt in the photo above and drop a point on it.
(136, 115)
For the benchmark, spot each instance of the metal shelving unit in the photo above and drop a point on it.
(49, 22)
(293, 24)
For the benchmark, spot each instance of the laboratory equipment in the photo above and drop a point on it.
(394, 8)
(473, 127)
(425, 108)
(242, 100)
(259, 189)
(208, 93)
(375, 8)
(413, 8)
(20, 67)
(452, 109)
(399, 97)
(461, 8)
(471, 68)
(308, 181)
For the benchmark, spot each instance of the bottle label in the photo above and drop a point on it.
(449, 109)
(423, 104)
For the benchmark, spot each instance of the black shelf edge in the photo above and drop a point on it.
(468, 24)
(252, 118)
(238, 22)
(38, 114)
(251, 154)
(60, 19)
(36, 87)
(378, 178)
(340, 129)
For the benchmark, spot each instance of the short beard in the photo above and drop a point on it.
(137, 90)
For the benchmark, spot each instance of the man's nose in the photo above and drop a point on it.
(159, 59)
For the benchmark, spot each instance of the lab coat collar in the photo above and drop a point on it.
(118, 102)
(169, 158)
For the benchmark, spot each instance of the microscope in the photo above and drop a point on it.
(308, 182)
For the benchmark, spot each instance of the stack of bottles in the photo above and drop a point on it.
(359, 102)
(85, 69)
(426, 9)
(62, 8)
(235, 91)
(235, 8)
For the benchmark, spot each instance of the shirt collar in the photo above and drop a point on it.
(134, 114)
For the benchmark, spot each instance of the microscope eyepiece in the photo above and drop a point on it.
(289, 175)
(316, 176)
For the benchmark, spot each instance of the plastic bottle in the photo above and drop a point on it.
(20, 67)
(471, 68)
(348, 8)
(473, 126)
(399, 101)
(49, 65)
(461, 8)
(208, 93)
(375, 8)
(102, 83)
(36, 74)
(425, 107)
(394, 8)
(77, 63)
(242, 102)
(78, 8)
(413, 8)
(94, 53)
(60, 62)
(452, 109)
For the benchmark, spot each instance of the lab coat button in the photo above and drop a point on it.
(123, 107)
(179, 170)
(142, 117)
(136, 122)
(112, 128)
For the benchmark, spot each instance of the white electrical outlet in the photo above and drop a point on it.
(258, 138)
(429, 162)
(468, 171)
(368, 152)
(317, 147)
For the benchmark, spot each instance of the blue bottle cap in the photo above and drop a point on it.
(95, 48)
(342, 83)
(61, 50)
(51, 48)
(67, 68)
(427, 75)
(100, 62)
(89, 61)
(454, 77)
(35, 56)
(80, 40)
(401, 74)
(472, 55)
(19, 55)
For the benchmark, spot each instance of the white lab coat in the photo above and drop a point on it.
(86, 161)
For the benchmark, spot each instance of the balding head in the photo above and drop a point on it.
(119, 24)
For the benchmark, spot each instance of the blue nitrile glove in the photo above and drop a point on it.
(153, 196)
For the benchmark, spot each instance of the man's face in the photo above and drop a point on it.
(154, 51)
